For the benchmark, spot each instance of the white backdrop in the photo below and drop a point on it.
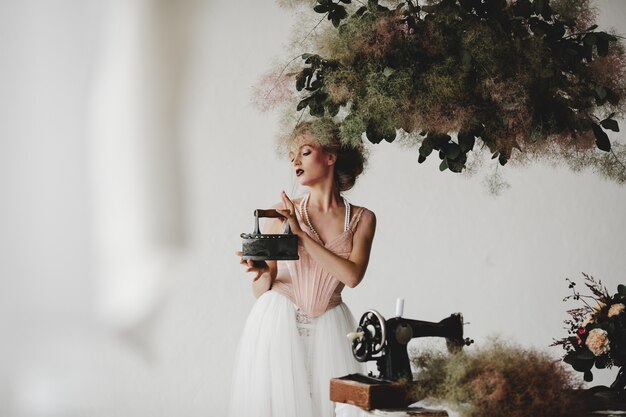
(139, 336)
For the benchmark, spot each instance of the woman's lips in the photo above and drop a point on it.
(299, 172)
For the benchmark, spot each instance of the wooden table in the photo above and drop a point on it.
(409, 412)
(402, 412)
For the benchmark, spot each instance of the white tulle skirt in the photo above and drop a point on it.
(285, 361)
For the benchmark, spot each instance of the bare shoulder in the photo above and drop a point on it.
(364, 220)
(362, 212)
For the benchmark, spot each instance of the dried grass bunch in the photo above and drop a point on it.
(499, 380)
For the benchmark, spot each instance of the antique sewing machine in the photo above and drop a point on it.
(386, 341)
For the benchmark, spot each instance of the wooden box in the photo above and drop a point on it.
(370, 393)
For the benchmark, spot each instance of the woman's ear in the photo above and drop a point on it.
(332, 158)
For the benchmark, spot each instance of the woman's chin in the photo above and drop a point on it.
(304, 182)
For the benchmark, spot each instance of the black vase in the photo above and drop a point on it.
(620, 381)
(601, 397)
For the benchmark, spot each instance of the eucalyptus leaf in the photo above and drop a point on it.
(302, 104)
(590, 39)
(315, 84)
(600, 92)
(316, 108)
(453, 151)
(466, 141)
(458, 164)
(603, 46)
(426, 149)
(610, 124)
(602, 139)
(612, 97)
(332, 109)
(300, 81)
(373, 134)
(607, 36)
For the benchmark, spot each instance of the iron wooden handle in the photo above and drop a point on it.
(267, 213)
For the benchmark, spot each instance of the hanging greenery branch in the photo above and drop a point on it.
(521, 78)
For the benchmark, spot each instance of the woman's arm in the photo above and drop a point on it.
(349, 271)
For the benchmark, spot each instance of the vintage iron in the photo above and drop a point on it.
(257, 246)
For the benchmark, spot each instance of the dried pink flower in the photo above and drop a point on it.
(385, 33)
(274, 88)
(598, 342)
(616, 310)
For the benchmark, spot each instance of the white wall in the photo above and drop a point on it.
(443, 242)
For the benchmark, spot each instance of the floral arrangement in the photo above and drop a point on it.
(597, 330)
(520, 79)
(498, 380)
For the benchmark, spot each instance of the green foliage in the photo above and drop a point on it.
(518, 77)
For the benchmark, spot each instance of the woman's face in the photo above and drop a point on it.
(309, 161)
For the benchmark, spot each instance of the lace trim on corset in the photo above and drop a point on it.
(304, 323)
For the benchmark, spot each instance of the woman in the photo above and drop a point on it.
(294, 340)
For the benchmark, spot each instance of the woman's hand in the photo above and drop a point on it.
(258, 267)
(289, 213)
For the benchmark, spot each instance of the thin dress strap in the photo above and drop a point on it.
(356, 219)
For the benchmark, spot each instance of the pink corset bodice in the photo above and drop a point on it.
(312, 289)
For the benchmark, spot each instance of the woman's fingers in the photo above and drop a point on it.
(240, 254)
(287, 202)
(251, 266)
(286, 215)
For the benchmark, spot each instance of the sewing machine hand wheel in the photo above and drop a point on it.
(370, 336)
